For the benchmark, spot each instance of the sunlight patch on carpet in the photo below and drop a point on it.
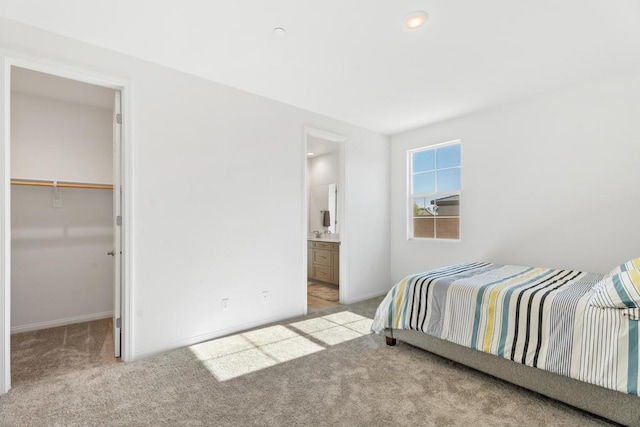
(227, 367)
(336, 335)
(240, 354)
(335, 328)
(313, 325)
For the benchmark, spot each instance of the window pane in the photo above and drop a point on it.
(448, 205)
(424, 206)
(449, 179)
(448, 156)
(434, 207)
(424, 161)
(423, 227)
(447, 228)
(424, 182)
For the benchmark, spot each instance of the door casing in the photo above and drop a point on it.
(97, 79)
(343, 289)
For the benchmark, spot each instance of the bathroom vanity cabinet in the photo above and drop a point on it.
(323, 261)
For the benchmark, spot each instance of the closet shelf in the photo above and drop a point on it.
(61, 184)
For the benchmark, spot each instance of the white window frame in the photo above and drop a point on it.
(410, 195)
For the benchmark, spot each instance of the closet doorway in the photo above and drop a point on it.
(65, 224)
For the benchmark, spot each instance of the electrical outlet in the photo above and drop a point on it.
(265, 296)
(225, 304)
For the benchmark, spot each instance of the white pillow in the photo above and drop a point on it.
(618, 290)
(633, 264)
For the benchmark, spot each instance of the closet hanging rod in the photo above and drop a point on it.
(61, 184)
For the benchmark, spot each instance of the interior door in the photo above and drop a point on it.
(117, 225)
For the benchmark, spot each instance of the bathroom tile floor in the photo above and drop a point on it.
(315, 304)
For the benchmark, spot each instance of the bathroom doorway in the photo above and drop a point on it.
(325, 262)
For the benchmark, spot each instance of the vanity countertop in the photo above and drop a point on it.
(323, 239)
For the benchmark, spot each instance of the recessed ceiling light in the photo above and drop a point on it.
(415, 19)
(279, 31)
(310, 154)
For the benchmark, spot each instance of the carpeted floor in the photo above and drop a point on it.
(65, 349)
(319, 370)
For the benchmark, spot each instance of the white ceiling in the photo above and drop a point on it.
(320, 147)
(353, 60)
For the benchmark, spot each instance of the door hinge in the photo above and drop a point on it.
(119, 118)
(119, 322)
(118, 220)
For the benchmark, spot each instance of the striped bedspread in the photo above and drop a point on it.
(536, 316)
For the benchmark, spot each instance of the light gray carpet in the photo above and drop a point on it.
(359, 382)
(65, 349)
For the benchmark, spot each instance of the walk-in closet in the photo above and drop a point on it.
(62, 225)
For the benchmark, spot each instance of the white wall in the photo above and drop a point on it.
(552, 181)
(202, 229)
(324, 169)
(58, 140)
(60, 270)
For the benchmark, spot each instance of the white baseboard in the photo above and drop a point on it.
(239, 328)
(211, 335)
(61, 322)
(365, 297)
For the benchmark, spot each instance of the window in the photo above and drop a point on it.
(434, 192)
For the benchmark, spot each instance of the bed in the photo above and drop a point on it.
(570, 335)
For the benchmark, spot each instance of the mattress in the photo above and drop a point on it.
(539, 317)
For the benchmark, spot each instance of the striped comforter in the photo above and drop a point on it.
(536, 316)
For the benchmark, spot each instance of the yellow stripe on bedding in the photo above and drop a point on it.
(399, 301)
(493, 297)
(635, 278)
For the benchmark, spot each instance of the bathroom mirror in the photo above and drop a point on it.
(323, 198)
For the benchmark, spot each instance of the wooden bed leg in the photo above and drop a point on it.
(391, 341)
